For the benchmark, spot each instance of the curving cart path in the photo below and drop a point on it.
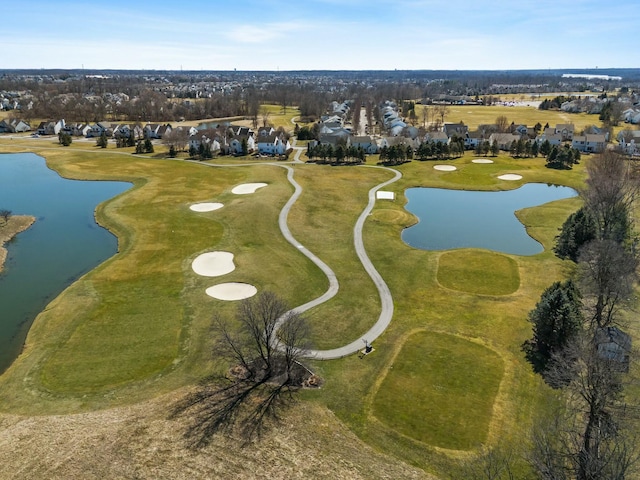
(386, 300)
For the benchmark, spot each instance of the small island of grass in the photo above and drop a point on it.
(9, 228)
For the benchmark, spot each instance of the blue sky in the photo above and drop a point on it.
(319, 34)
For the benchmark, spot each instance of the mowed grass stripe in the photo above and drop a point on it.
(440, 390)
(479, 272)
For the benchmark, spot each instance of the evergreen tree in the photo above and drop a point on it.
(577, 230)
(148, 146)
(102, 140)
(557, 320)
(495, 148)
(485, 147)
(545, 148)
(64, 139)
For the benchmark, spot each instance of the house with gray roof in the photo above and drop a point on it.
(589, 143)
(615, 345)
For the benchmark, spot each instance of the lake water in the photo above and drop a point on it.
(63, 244)
(452, 219)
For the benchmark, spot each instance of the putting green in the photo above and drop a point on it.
(440, 390)
(478, 272)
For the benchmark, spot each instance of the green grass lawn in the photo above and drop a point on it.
(474, 115)
(440, 390)
(479, 272)
(138, 325)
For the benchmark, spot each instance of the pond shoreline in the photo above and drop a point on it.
(15, 225)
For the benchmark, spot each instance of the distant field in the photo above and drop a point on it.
(474, 115)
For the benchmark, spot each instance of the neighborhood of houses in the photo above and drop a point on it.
(223, 139)
(334, 129)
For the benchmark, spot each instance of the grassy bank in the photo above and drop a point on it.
(9, 229)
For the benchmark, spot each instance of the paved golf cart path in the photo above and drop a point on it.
(386, 300)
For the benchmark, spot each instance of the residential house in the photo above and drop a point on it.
(396, 127)
(389, 142)
(367, 143)
(566, 130)
(504, 140)
(273, 145)
(98, 129)
(14, 125)
(629, 141)
(589, 143)
(209, 136)
(240, 131)
(127, 131)
(266, 131)
(551, 136)
(615, 345)
(155, 131)
(235, 145)
(473, 139)
(51, 127)
(451, 129)
(78, 129)
(439, 137)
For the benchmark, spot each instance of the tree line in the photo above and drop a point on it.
(579, 346)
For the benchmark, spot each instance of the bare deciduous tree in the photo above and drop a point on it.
(591, 436)
(178, 138)
(265, 353)
(265, 114)
(611, 190)
(502, 123)
(607, 273)
(5, 215)
(491, 464)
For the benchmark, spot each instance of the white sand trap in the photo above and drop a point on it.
(246, 188)
(510, 176)
(382, 195)
(445, 168)
(205, 207)
(482, 160)
(232, 291)
(213, 264)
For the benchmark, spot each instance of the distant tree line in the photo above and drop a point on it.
(339, 154)
(433, 150)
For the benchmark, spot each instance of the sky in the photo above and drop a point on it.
(319, 34)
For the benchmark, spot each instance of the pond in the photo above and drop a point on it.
(63, 244)
(450, 219)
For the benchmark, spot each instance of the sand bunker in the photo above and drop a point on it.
(382, 195)
(213, 264)
(205, 207)
(247, 188)
(445, 168)
(232, 291)
(510, 176)
(482, 160)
